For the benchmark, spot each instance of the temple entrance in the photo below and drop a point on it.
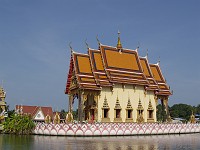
(89, 105)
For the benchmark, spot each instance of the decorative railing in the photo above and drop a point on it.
(108, 129)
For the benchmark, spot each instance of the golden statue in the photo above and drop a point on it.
(140, 118)
(48, 119)
(57, 118)
(192, 118)
(69, 117)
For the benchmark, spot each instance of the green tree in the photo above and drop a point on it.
(75, 114)
(181, 111)
(10, 112)
(19, 124)
(198, 109)
(63, 114)
(161, 113)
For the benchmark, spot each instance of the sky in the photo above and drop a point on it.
(35, 37)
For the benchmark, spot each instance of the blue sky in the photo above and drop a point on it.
(34, 38)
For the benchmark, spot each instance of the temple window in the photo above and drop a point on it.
(129, 111)
(117, 113)
(129, 114)
(140, 110)
(150, 114)
(150, 111)
(105, 113)
(117, 117)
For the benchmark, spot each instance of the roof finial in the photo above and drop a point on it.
(70, 47)
(147, 53)
(119, 45)
(138, 46)
(98, 40)
(86, 44)
(159, 60)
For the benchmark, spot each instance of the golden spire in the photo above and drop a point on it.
(117, 104)
(140, 107)
(129, 104)
(105, 103)
(119, 45)
(150, 107)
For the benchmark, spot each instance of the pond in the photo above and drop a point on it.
(36, 142)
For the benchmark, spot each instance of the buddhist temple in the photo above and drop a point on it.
(115, 84)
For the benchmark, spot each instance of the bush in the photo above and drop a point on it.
(18, 124)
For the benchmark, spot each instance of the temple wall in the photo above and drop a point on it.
(107, 129)
(124, 92)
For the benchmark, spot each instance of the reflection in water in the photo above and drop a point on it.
(35, 142)
(9, 142)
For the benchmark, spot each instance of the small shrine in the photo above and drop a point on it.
(192, 118)
(2, 104)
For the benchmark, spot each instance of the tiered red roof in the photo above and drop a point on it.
(110, 65)
(147, 71)
(83, 72)
(98, 68)
(122, 66)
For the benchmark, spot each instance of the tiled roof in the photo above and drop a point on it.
(83, 71)
(32, 110)
(110, 65)
(147, 71)
(98, 68)
(122, 66)
(157, 74)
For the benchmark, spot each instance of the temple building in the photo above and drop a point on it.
(115, 84)
(37, 113)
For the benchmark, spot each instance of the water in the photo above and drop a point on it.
(156, 142)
